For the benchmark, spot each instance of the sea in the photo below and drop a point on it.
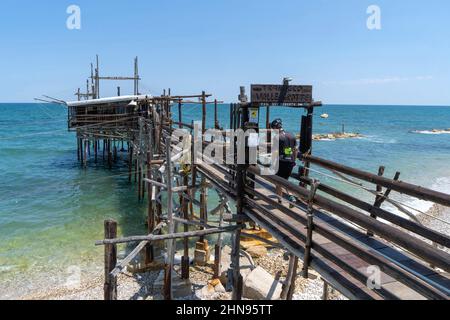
(52, 210)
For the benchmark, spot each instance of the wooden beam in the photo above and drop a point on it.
(181, 235)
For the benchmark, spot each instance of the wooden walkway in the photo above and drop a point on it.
(343, 268)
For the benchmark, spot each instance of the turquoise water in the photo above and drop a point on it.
(52, 211)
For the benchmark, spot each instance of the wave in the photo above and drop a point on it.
(441, 184)
(378, 139)
(433, 132)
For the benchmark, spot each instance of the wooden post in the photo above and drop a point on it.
(149, 256)
(306, 138)
(138, 168)
(291, 291)
(110, 286)
(289, 286)
(130, 163)
(143, 183)
(216, 116)
(231, 115)
(203, 116)
(310, 229)
(180, 115)
(167, 282)
(241, 173)
(109, 154)
(159, 202)
(171, 243)
(96, 150)
(377, 198)
(203, 206)
(326, 292)
(78, 149)
(218, 249)
(85, 153)
(185, 258)
(104, 148)
(237, 277)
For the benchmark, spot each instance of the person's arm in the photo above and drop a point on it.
(296, 150)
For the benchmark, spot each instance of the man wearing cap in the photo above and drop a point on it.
(287, 156)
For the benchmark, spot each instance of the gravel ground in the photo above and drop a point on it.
(305, 289)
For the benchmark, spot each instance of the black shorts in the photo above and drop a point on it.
(285, 169)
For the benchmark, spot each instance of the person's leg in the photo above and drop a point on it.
(279, 192)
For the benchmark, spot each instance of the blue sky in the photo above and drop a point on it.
(218, 45)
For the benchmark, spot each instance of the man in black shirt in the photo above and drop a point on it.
(288, 152)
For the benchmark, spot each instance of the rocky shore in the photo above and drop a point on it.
(335, 136)
(267, 265)
(272, 266)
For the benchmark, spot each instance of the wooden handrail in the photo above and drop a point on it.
(399, 186)
(427, 252)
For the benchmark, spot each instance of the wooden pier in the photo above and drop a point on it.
(343, 238)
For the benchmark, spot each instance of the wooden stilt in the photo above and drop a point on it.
(203, 206)
(185, 258)
(149, 256)
(81, 151)
(109, 154)
(289, 277)
(167, 282)
(139, 172)
(218, 248)
(237, 277)
(326, 291)
(96, 150)
(78, 149)
(135, 170)
(85, 153)
(104, 149)
(293, 280)
(110, 286)
(171, 243)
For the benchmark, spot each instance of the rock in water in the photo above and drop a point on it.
(260, 285)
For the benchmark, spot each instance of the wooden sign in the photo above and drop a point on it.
(282, 95)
